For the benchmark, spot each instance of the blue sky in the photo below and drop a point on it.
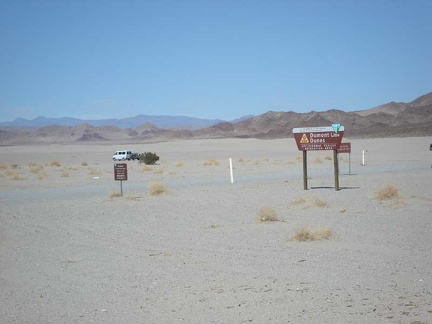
(210, 59)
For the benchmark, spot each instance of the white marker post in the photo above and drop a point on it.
(363, 157)
(231, 170)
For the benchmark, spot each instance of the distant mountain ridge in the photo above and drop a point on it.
(176, 122)
(388, 120)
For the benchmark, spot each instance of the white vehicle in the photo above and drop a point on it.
(122, 155)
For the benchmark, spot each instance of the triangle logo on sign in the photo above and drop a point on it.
(304, 139)
(336, 127)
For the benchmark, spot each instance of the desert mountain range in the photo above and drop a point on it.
(387, 120)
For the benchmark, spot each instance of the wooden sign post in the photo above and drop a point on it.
(317, 139)
(120, 174)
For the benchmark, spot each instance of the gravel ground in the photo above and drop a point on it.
(197, 253)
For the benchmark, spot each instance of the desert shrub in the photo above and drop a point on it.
(328, 157)
(386, 192)
(54, 164)
(64, 174)
(148, 158)
(179, 164)
(156, 188)
(267, 214)
(3, 166)
(14, 166)
(241, 160)
(304, 234)
(84, 164)
(160, 171)
(317, 160)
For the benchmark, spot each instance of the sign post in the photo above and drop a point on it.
(346, 148)
(120, 174)
(317, 139)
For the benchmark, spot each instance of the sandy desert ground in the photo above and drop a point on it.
(73, 252)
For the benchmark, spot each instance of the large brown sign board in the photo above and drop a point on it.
(318, 138)
(120, 171)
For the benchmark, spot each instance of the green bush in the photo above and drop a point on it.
(148, 158)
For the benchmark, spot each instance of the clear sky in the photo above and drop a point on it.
(210, 58)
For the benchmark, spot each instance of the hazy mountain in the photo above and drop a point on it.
(176, 122)
(387, 120)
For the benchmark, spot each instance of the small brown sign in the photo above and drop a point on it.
(344, 148)
(120, 171)
(318, 138)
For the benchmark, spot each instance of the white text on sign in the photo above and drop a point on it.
(320, 138)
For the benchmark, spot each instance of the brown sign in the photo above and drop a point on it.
(344, 148)
(318, 138)
(120, 171)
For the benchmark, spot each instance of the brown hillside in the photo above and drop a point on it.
(388, 120)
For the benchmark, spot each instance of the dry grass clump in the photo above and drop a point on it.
(304, 234)
(328, 158)
(3, 166)
(14, 166)
(160, 171)
(179, 164)
(156, 188)
(115, 193)
(241, 160)
(317, 160)
(320, 203)
(42, 175)
(298, 201)
(34, 168)
(146, 168)
(64, 174)
(211, 162)
(17, 177)
(387, 192)
(316, 203)
(54, 164)
(267, 214)
(13, 175)
(69, 168)
(93, 171)
(84, 163)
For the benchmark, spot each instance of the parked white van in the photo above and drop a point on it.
(122, 155)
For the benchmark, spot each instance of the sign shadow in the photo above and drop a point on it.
(340, 188)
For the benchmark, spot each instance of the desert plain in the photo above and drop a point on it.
(73, 250)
